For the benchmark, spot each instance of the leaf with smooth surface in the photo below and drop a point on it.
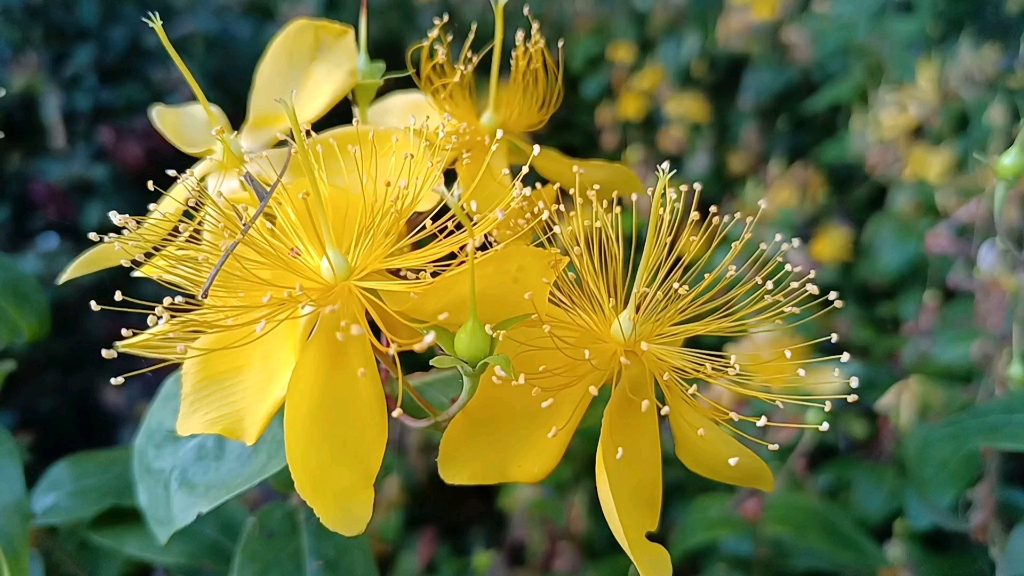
(285, 540)
(14, 508)
(24, 308)
(944, 457)
(207, 543)
(79, 487)
(178, 478)
(706, 520)
(821, 533)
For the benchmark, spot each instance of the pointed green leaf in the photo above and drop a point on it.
(24, 308)
(207, 543)
(820, 534)
(446, 362)
(502, 361)
(79, 487)
(944, 458)
(14, 507)
(178, 478)
(286, 540)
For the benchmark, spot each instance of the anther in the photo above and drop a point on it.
(108, 353)
(734, 460)
(126, 332)
(645, 405)
(773, 447)
(361, 372)
(845, 357)
(95, 307)
(664, 410)
(261, 326)
(547, 403)
(356, 330)
(854, 382)
(118, 296)
(700, 432)
(852, 398)
(397, 413)
(117, 380)
(828, 405)
(618, 453)
(593, 390)
(824, 426)
(762, 421)
(553, 432)
(735, 417)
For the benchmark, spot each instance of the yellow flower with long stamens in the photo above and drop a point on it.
(313, 58)
(624, 316)
(295, 293)
(516, 106)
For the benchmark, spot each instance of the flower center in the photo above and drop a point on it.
(623, 329)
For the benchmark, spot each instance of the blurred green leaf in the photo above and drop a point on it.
(871, 491)
(841, 90)
(943, 458)
(821, 531)
(439, 387)
(79, 487)
(705, 521)
(286, 540)
(14, 507)
(7, 366)
(892, 247)
(1011, 561)
(207, 543)
(24, 308)
(178, 478)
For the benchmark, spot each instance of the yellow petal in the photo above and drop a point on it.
(502, 435)
(110, 254)
(403, 107)
(709, 454)
(236, 388)
(336, 424)
(313, 57)
(610, 176)
(187, 126)
(481, 176)
(510, 282)
(629, 471)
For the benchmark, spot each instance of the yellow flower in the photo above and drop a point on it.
(313, 58)
(288, 315)
(800, 187)
(512, 108)
(762, 10)
(648, 78)
(690, 106)
(930, 163)
(604, 325)
(632, 106)
(832, 243)
(621, 52)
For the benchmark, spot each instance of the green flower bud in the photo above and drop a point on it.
(472, 342)
(1010, 164)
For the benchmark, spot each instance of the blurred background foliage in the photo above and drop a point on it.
(867, 125)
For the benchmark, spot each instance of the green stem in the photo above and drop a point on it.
(470, 382)
(496, 51)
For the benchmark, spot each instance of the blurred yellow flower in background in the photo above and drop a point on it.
(931, 163)
(832, 243)
(800, 188)
(632, 106)
(622, 52)
(690, 106)
(648, 78)
(761, 10)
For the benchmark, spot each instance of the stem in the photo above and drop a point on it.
(469, 386)
(496, 51)
(362, 29)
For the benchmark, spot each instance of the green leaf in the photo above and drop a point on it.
(708, 519)
(79, 487)
(178, 478)
(286, 540)
(821, 534)
(502, 361)
(943, 458)
(509, 323)
(7, 366)
(14, 508)
(24, 308)
(446, 362)
(1011, 562)
(207, 543)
